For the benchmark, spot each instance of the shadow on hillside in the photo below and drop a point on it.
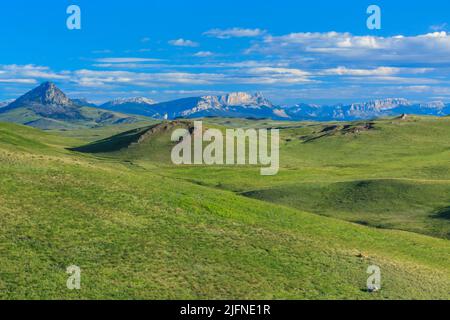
(443, 213)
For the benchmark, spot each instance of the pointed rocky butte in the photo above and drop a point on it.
(48, 101)
(46, 94)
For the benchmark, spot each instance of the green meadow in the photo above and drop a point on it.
(348, 195)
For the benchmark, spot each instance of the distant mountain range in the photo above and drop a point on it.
(138, 105)
(48, 107)
(239, 104)
(366, 110)
(244, 105)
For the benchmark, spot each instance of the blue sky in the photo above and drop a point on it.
(317, 51)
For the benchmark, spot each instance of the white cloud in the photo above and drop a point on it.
(204, 54)
(18, 81)
(271, 75)
(266, 70)
(379, 71)
(183, 43)
(332, 47)
(24, 73)
(89, 77)
(395, 80)
(234, 33)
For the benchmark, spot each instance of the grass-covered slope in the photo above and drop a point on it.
(388, 173)
(412, 205)
(137, 234)
(88, 118)
(150, 143)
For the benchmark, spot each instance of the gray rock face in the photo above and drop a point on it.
(48, 101)
(244, 99)
(137, 100)
(46, 94)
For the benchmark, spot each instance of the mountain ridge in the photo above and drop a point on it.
(49, 102)
(242, 104)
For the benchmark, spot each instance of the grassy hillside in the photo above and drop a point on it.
(150, 143)
(139, 231)
(90, 118)
(388, 173)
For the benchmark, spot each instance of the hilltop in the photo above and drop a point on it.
(147, 143)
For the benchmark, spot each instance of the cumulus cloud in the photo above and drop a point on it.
(272, 75)
(28, 73)
(334, 47)
(87, 77)
(183, 43)
(234, 33)
(271, 70)
(380, 71)
(18, 81)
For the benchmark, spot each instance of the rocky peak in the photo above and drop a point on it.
(383, 104)
(433, 105)
(244, 99)
(135, 100)
(46, 94)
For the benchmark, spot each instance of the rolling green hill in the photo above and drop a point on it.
(139, 231)
(390, 173)
(387, 173)
(91, 118)
(150, 143)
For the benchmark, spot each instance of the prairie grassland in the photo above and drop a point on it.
(143, 229)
